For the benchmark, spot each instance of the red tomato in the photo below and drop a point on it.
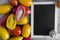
(21, 11)
(29, 38)
(28, 11)
(16, 31)
(14, 2)
(3, 20)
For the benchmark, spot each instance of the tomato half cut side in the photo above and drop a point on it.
(20, 12)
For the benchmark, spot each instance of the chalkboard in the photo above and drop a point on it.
(44, 19)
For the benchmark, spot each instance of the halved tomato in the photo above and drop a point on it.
(11, 22)
(21, 11)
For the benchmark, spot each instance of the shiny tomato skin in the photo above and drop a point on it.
(14, 2)
(28, 11)
(3, 20)
(26, 3)
(16, 31)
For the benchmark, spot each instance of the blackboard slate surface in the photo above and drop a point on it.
(44, 19)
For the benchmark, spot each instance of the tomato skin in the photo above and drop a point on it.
(5, 8)
(26, 2)
(11, 22)
(14, 2)
(26, 30)
(4, 33)
(16, 38)
(26, 12)
(29, 38)
(3, 20)
(16, 31)
(23, 21)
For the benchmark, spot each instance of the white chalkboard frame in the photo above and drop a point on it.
(32, 18)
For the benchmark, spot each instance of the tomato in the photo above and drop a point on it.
(58, 4)
(11, 22)
(26, 30)
(16, 38)
(28, 11)
(23, 21)
(21, 11)
(14, 2)
(3, 20)
(29, 38)
(26, 2)
(5, 8)
(4, 33)
(16, 31)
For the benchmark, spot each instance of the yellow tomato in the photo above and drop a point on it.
(16, 38)
(11, 22)
(23, 21)
(3, 33)
(26, 2)
(5, 8)
(26, 30)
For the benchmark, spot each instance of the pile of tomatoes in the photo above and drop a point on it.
(14, 25)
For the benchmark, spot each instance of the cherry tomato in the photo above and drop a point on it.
(21, 11)
(14, 2)
(26, 30)
(11, 22)
(16, 38)
(58, 4)
(28, 11)
(26, 2)
(5, 8)
(4, 33)
(29, 38)
(23, 21)
(16, 31)
(3, 20)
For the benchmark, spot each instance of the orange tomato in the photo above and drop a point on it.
(14, 2)
(26, 2)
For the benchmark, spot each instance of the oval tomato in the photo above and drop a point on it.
(26, 2)
(5, 8)
(4, 33)
(3, 20)
(16, 31)
(23, 21)
(16, 38)
(26, 30)
(21, 11)
(14, 2)
(29, 38)
(11, 22)
(28, 11)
